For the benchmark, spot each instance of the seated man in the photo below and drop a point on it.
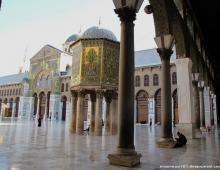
(181, 140)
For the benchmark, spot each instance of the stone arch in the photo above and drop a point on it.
(63, 100)
(142, 106)
(168, 20)
(175, 107)
(157, 98)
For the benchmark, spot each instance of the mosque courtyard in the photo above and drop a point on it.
(24, 146)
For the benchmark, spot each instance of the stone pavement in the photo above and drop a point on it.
(24, 146)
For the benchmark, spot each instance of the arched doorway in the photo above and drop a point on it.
(42, 98)
(63, 100)
(48, 104)
(142, 107)
(175, 107)
(16, 106)
(35, 103)
(158, 106)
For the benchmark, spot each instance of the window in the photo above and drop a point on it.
(67, 86)
(137, 81)
(62, 87)
(7, 92)
(10, 92)
(155, 80)
(146, 80)
(13, 92)
(174, 80)
(16, 93)
(19, 92)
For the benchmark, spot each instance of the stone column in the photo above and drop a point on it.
(38, 108)
(79, 112)
(212, 109)
(13, 109)
(98, 113)
(126, 154)
(151, 109)
(201, 106)
(93, 111)
(114, 114)
(166, 136)
(185, 97)
(215, 111)
(207, 106)
(108, 99)
(45, 113)
(196, 106)
(73, 112)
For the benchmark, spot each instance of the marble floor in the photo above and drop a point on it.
(24, 146)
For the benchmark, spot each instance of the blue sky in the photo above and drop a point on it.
(27, 25)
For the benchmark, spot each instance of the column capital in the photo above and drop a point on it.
(100, 93)
(126, 14)
(108, 95)
(164, 53)
(73, 93)
(81, 92)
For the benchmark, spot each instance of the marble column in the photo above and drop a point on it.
(79, 112)
(38, 108)
(186, 123)
(114, 114)
(201, 106)
(45, 113)
(73, 112)
(211, 108)
(108, 99)
(98, 113)
(125, 154)
(166, 136)
(13, 109)
(196, 105)
(93, 111)
(207, 106)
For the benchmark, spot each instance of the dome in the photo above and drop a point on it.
(96, 33)
(73, 37)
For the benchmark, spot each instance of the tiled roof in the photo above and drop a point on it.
(150, 57)
(13, 79)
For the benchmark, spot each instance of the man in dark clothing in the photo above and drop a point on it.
(181, 140)
(39, 122)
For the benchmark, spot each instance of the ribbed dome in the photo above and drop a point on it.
(73, 37)
(96, 33)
